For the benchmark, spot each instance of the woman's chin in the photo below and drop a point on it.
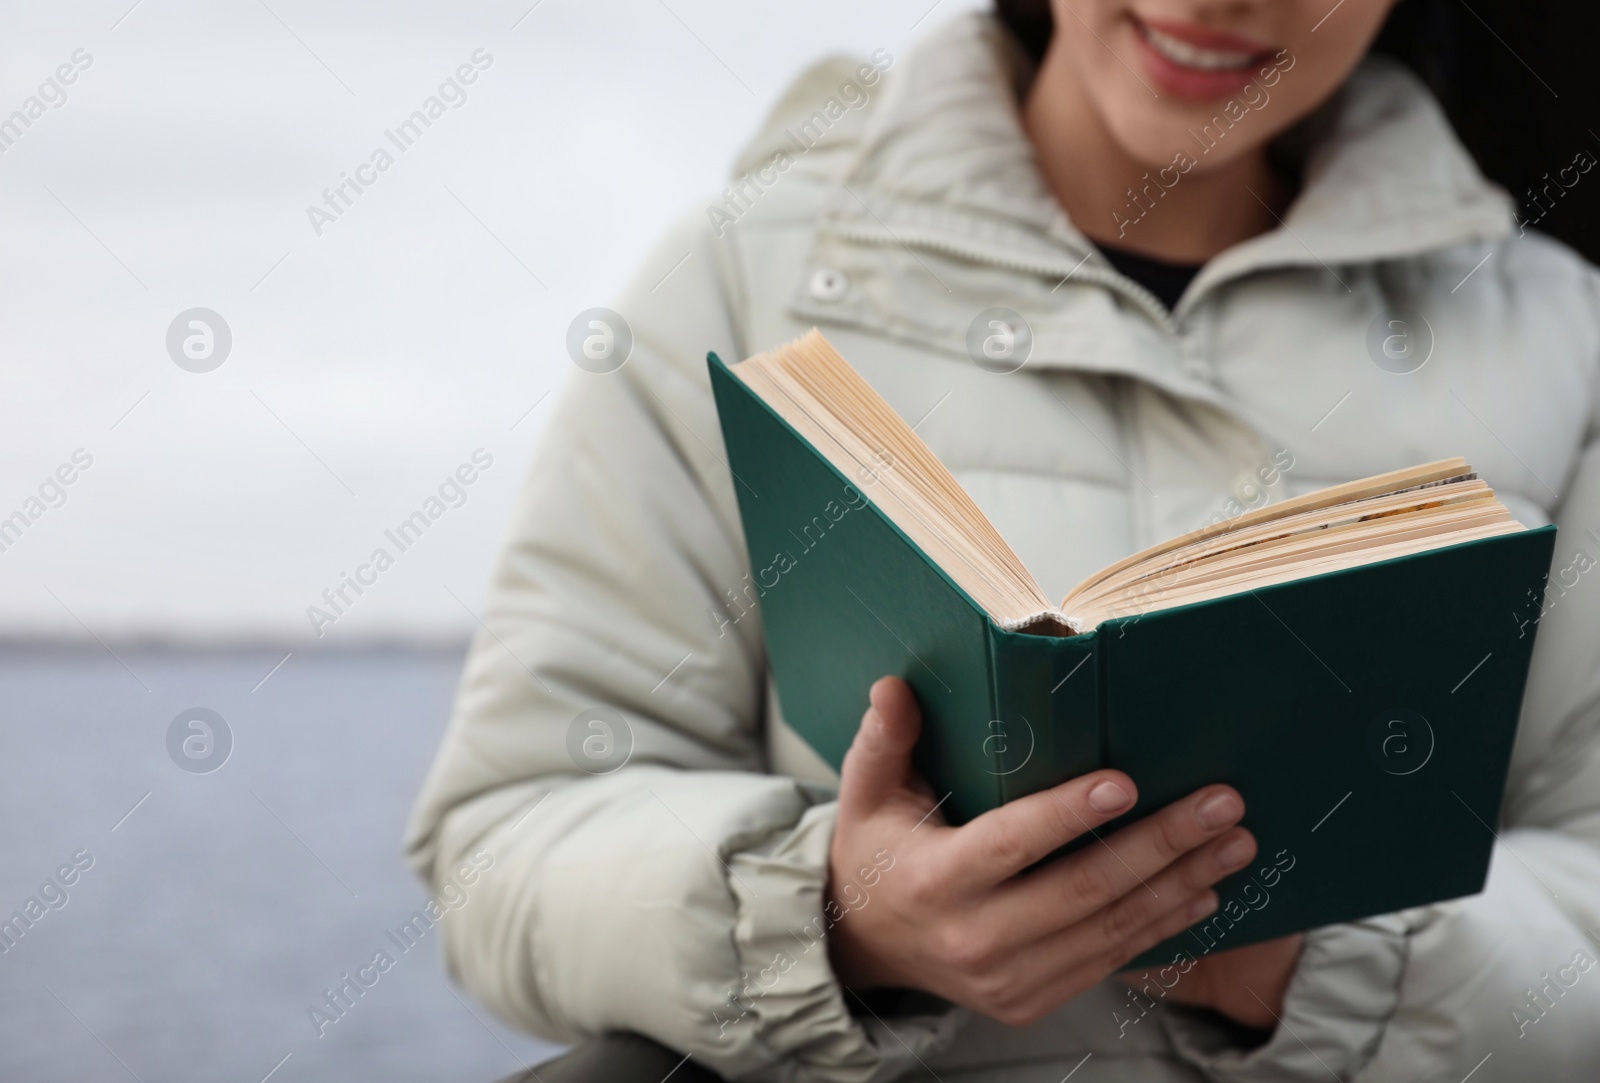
(1157, 136)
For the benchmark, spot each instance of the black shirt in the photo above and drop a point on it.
(1166, 280)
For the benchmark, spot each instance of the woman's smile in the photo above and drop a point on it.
(1194, 62)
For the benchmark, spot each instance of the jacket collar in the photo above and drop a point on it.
(944, 164)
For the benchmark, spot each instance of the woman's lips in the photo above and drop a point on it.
(1194, 62)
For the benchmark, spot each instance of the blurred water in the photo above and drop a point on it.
(216, 913)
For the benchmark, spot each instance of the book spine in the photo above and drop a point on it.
(1046, 718)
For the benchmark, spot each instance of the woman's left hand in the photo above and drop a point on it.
(1246, 984)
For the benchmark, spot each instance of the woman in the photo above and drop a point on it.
(1241, 254)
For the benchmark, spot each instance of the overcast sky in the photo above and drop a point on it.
(173, 151)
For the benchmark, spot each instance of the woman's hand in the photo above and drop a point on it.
(1246, 984)
(947, 911)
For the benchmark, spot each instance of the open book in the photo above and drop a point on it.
(1405, 511)
(1352, 661)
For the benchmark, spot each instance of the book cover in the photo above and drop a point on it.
(1366, 715)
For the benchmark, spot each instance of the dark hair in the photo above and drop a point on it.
(1509, 74)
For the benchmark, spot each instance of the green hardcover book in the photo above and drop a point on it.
(1363, 702)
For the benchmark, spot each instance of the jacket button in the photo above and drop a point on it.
(828, 284)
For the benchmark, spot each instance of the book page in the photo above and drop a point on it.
(1397, 513)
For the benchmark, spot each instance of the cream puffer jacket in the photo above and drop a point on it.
(668, 897)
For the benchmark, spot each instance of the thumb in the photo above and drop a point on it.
(879, 760)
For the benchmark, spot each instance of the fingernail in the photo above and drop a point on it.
(1219, 810)
(1235, 852)
(1107, 796)
(1201, 906)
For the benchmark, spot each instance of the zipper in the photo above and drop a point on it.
(1111, 278)
(1127, 424)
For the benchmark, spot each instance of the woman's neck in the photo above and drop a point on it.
(1188, 222)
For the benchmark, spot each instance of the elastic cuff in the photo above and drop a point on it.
(789, 993)
(1341, 997)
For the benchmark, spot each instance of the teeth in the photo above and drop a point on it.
(1192, 56)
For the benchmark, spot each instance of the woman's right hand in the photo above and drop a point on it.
(948, 909)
